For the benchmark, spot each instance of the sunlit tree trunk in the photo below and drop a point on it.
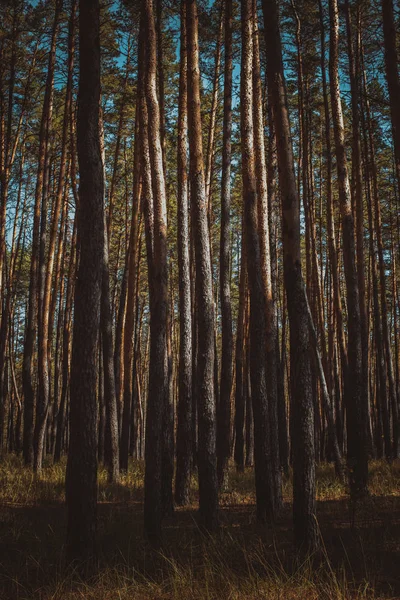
(224, 407)
(262, 439)
(207, 464)
(184, 428)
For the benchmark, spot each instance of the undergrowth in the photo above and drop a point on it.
(244, 560)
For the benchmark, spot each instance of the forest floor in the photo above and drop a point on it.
(360, 556)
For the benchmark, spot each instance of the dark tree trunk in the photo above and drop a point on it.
(81, 478)
(304, 517)
(357, 456)
(158, 391)
(110, 398)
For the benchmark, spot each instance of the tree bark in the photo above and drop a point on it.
(184, 428)
(207, 467)
(81, 478)
(224, 408)
(158, 370)
(303, 451)
(357, 457)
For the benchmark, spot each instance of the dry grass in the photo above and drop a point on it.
(360, 558)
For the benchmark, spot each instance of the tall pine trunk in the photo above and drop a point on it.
(81, 478)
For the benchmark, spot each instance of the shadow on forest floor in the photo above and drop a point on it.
(243, 560)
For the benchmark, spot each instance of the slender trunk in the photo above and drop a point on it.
(224, 407)
(128, 333)
(110, 398)
(357, 456)
(240, 403)
(184, 430)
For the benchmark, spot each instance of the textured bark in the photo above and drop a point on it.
(158, 390)
(81, 478)
(184, 428)
(357, 457)
(262, 440)
(207, 467)
(224, 407)
(271, 373)
(304, 517)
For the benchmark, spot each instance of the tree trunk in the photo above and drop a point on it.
(224, 408)
(184, 429)
(158, 392)
(207, 464)
(81, 478)
(304, 517)
(357, 457)
(271, 373)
